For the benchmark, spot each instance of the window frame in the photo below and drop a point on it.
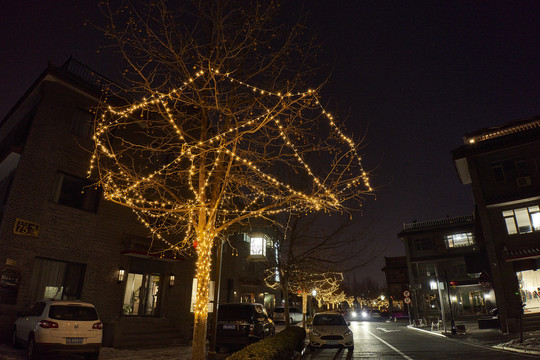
(450, 240)
(64, 194)
(82, 123)
(70, 276)
(517, 223)
(146, 278)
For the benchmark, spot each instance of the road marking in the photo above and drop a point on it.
(386, 330)
(390, 346)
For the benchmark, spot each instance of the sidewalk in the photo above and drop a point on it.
(489, 337)
(181, 352)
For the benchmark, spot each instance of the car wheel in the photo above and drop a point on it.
(32, 353)
(351, 348)
(92, 356)
(311, 348)
(14, 341)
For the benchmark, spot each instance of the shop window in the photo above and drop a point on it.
(141, 295)
(82, 123)
(522, 220)
(73, 191)
(529, 289)
(53, 279)
(459, 240)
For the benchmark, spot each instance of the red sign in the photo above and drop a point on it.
(407, 293)
(407, 300)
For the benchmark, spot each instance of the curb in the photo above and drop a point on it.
(426, 331)
(518, 350)
(498, 347)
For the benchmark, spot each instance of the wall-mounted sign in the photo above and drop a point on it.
(25, 227)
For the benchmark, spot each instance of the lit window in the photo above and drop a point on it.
(55, 279)
(258, 246)
(522, 220)
(141, 296)
(459, 240)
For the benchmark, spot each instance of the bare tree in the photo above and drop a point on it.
(314, 244)
(223, 113)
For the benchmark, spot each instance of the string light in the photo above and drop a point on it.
(209, 180)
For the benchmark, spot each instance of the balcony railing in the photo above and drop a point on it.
(89, 76)
(438, 222)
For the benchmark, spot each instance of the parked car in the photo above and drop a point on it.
(330, 330)
(295, 314)
(59, 326)
(241, 324)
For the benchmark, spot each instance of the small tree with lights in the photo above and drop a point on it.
(316, 244)
(223, 120)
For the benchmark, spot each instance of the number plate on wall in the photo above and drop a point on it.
(24, 227)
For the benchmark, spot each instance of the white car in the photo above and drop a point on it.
(330, 330)
(295, 315)
(59, 326)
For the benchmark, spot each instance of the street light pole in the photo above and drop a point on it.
(452, 323)
(217, 285)
(440, 297)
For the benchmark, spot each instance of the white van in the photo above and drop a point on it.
(295, 314)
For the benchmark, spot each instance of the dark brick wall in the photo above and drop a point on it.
(70, 234)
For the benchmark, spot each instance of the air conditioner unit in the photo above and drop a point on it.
(523, 181)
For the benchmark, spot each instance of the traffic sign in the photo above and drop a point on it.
(407, 300)
(406, 293)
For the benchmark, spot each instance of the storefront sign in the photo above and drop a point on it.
(24, 227)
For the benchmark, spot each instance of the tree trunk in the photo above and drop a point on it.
(204, 252)
(199, 337)
(285, 289)
(304, 308)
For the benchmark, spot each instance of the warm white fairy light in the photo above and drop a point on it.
(198, 162)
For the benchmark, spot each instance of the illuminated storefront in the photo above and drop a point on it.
(529, 288)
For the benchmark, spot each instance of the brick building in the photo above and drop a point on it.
(502, 166)
(397, 281)
(447, 269)
(60, 239)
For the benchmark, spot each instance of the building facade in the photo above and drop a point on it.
(397, 282)
(60, 239)
(448, 274)
(501, 165)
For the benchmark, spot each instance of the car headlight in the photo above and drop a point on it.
(348, 333)
(353, 314)
(315, 333)
(364, 314)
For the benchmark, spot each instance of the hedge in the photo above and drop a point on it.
(281, 346)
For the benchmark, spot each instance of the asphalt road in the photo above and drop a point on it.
(381, 340)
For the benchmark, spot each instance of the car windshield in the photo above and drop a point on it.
(228, 313)
(329, 320)
(73, 312)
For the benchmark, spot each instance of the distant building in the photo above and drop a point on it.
(448, 274)
(60, 239)
(502, 164)
(397, 282)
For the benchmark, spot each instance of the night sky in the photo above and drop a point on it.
(414, 77)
